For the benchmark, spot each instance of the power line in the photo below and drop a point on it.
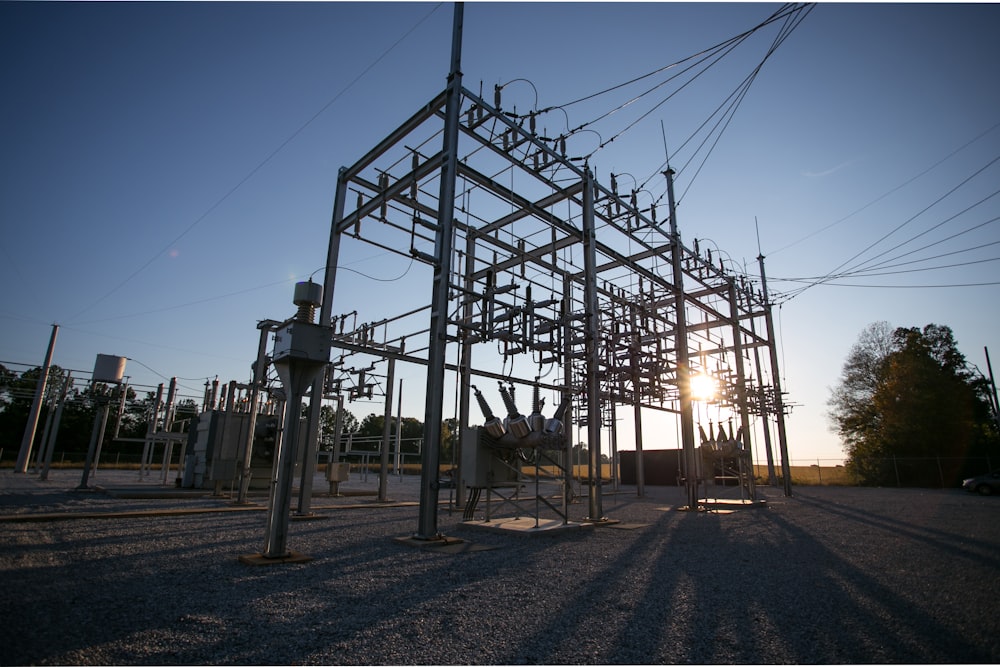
(890, 192)
(257, 168)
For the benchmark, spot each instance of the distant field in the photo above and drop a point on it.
(813, 475)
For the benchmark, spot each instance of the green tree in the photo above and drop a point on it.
(911, 395)
(328, 424)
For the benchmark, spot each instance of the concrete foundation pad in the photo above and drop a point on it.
(435, 543)
(261, 559)
(528, 526)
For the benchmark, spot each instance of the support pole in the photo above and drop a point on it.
(427, 523)
(168, 424)
(772, 478)
(741, 377)
(779, 408)
(683, 367)
(50, 445)
(24, 454)
(256, 385)
(464, 372)
(383, 472)
(96, 435)
(150, 443)
(640, 471)
(397, 461)
(592, 351)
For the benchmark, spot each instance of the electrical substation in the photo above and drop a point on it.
(546, 283)
(556, 305)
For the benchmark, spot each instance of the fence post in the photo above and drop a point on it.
(896, 468)
(940, 472)
(819, 471)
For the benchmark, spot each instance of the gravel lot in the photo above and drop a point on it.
(830, 575)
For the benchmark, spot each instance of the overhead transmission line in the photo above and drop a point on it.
(890, 192)
(703, 61)
(860, 268)
(260, 165)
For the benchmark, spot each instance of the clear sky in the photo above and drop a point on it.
(167, 170)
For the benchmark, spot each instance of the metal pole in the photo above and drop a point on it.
(683, 367)
(21, 465)
(615, 482)
(640, 471)
(399, 429)
(772, 478)
(96, 435)
(776, 379)
(259, 368)
(464, 372)
(741, 379)
(383, 473)
(592, 351)
(51, 444)
(276, 538)
(427, 523)
(566, 331)
(325, 319)
(168, 424)
(150, 443)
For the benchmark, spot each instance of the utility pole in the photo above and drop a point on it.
(779, 409)
(36, 407)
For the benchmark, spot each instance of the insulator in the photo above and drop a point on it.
(508, 401)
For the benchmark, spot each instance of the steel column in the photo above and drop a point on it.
(437, 343)
(592, 349)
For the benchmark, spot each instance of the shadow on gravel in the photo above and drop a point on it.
(798, 583)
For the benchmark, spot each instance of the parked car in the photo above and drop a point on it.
(985, 485)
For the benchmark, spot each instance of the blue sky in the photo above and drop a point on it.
(168, 170)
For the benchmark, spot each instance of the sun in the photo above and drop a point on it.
(702, 387)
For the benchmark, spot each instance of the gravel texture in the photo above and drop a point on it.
(829, 575)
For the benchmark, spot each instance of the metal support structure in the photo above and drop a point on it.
(256, 385)
(592, 350)
(779, 409)
(544, 270)
(437, 341)
(50, 444)
(96, 435)
(24, 454)
(640, 471)
(383, 472)
(681, 351)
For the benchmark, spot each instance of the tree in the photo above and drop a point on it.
(910, 394)
(328, 423)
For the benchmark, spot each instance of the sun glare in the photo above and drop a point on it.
(702, 387)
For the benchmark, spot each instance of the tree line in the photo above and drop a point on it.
(909, 394)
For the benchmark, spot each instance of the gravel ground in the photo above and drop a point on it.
(829, 575)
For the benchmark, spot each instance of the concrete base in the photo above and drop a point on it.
(724, 505)
(436, 543)
(261, 559)
(528, 526)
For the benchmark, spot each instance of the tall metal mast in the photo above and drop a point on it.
(779, 408)
(683, 365)
(427, 523)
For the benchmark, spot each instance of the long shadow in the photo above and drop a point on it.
(939, 539)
